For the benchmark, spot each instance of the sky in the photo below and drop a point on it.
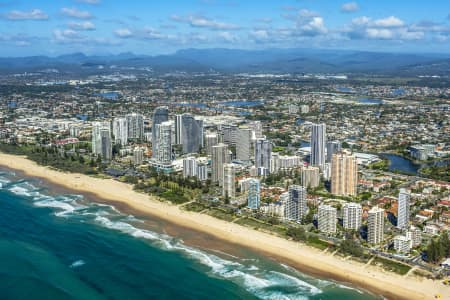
(152, 27)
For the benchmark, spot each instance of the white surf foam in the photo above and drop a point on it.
(259, 282)
(77, 264)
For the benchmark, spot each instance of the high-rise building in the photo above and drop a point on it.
(229, 134)
(263, 155)
(189, 167)
(415, 235)
(254, 193)
(375, 234)
(326, 219)
(138, 156)
(229, 185)
(220, 156)
(192, 133)
(296, 206)
(318, 140)
(164, 143)
(101, 140)
(352, 214)
(244, 144)
(211, 139)
(344, 174)
(403, 209)
(135, 124)
(120, 131)
(160, 115)
(105, 135)
(333, 147)
(402, 244)
(257, 128)
(178, 129)
(202, 171)
(310, 177)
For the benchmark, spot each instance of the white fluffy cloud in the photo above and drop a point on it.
(86, 26)
(349, 7)
(204, 22)
(389, 22)
(35, 14)
(73, 12)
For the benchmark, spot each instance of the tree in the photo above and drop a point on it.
(297, 233)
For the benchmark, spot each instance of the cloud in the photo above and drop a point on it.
(89, 1)
(70, 36)
(313, 27)
(389, 22)
(75, 13)
(20, 40)
(204, 22)
(123, 33)
(390, 28)
(146, 33)
(85, 26)
(35, 14)
(350, 7)
(227, 36)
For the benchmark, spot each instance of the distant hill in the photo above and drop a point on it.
(252, 61)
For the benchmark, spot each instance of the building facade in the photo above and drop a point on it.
(326, 218)
(352, 215)
(375, 234)
(296, 207)
(403, 209)
(318, 140)
(344, 174)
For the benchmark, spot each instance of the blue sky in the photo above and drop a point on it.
(53, 27)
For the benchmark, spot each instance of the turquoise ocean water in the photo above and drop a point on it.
(56, 245)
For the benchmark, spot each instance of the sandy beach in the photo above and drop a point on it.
(302, 257)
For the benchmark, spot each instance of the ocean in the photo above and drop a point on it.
(55, 244)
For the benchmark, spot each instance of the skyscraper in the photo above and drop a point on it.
(244, 144)
(263, 155)
(327, 216)
(211, 139)
(189, 167)
(344, 174)
(229, 186)
(229, 134)
(120, 131)
(106, 142)
(138, 156)
(333, 147)
(160, 115)
(403, 209)
(192, 133)
(310, 177)
(375, 233)
(101, 140)
(178, 129)
(254, 193)
(352, 214)
(220, 156)
(318, 140)
(296, 206)
(164, 143)
(135, 123)
(256, 127)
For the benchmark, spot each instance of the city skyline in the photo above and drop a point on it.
(107, 27)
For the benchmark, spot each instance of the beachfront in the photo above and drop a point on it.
(304, 258)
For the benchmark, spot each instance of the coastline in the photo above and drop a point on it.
(299, 256)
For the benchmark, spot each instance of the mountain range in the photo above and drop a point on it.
(249, 61)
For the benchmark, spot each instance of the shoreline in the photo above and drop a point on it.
(301, 257)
